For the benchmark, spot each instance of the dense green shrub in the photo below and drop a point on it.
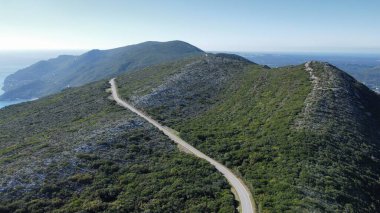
(97, 156)
(323, 160)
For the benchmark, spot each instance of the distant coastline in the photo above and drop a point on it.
(12, 61)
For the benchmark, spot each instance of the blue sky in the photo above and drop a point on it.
(213, 25)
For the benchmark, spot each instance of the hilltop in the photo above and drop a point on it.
(53, 75)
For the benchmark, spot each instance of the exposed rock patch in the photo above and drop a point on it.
(193, 87)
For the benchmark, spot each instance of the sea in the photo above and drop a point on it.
(12, 61)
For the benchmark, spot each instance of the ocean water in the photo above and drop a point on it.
(12, 61)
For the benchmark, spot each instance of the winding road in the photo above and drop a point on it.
(242, 191)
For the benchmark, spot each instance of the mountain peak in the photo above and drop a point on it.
(175, 44)
(234, 57)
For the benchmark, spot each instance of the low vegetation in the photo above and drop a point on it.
(78, 151)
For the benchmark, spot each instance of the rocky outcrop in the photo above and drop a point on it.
(194, 87)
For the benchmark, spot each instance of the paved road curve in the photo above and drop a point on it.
(246, 201)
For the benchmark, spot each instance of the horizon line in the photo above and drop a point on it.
(349, 52)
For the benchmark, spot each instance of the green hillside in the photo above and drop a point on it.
(51, 76)
(303, 140)
(78, 151)
(300, 145)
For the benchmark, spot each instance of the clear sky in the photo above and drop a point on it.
(212, 25)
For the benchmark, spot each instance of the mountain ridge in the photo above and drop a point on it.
(51, 76)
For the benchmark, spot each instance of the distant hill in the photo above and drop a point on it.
(51, 76)
(305, 141)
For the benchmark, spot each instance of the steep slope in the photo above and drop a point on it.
(78, 152)
(304, 138)
(47, 77)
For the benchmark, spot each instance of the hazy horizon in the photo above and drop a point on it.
(244, 26)
(81, 51)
